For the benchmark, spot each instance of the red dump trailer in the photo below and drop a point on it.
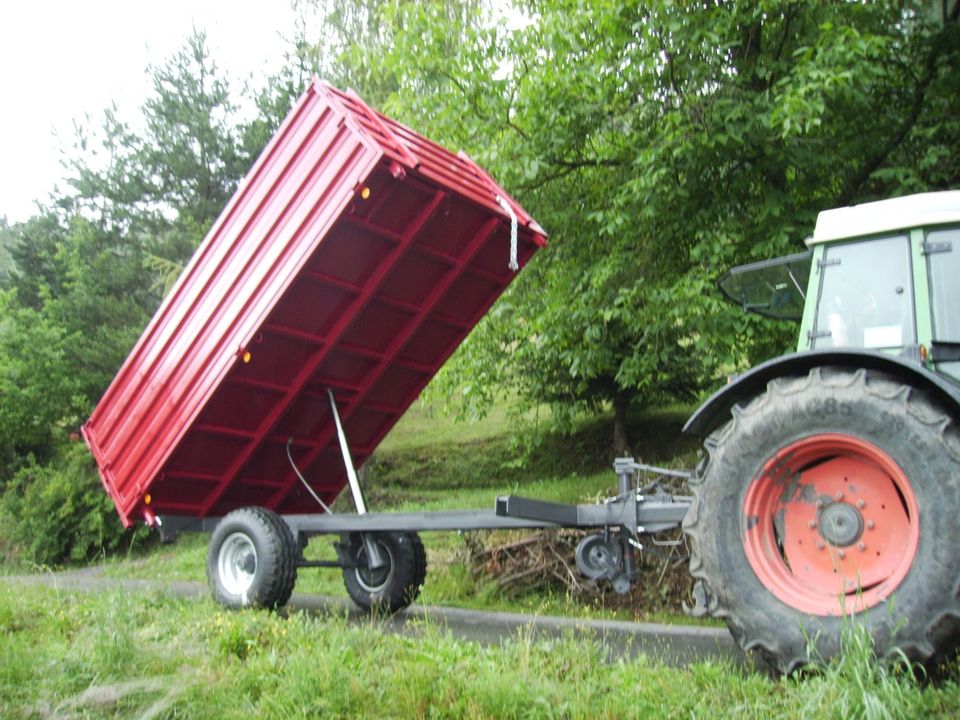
(355, 256)
(353, 259)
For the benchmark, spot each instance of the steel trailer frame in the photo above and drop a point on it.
(630, 510)
(630, 513)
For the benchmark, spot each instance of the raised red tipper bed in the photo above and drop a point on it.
(354, 257)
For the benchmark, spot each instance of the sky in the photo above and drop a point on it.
(61, 61)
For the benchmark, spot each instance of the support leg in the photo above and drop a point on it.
(375, 558)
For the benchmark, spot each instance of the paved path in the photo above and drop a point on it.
(672, 644)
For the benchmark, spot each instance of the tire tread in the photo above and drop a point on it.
(927, 643)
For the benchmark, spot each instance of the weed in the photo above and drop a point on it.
(857, 684)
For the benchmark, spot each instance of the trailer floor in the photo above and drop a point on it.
(670, 644)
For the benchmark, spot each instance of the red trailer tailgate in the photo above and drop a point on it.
(355, 256)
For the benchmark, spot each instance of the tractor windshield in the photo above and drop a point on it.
(774, 288)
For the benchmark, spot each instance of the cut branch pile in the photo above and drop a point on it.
(546, 561)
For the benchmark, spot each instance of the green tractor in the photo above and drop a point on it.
(830, 485)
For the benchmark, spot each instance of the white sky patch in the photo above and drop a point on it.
(61, 61)
(513, 20)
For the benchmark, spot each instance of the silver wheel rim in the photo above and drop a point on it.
(374, 581)
(237, 564)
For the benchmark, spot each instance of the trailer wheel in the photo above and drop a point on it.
(825, 497)
(394, 586)
(252, 560)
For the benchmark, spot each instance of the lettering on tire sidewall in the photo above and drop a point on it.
(828, 406)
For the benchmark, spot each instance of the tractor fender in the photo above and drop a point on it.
(716, 410)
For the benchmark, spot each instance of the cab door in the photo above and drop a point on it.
(942, 250)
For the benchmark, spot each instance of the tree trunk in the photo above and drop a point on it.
(621, 443)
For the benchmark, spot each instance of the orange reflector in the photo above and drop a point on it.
(923, 353)
(365, 193)
(246, 356)
(147, 499)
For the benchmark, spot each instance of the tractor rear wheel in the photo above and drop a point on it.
(829, 496)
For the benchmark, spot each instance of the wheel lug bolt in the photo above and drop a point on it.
(838, 497)
(861, 504)
(820, 545)
(819, 503)
(842, 554)
(870, 525)
(861, 546)
(812, 524)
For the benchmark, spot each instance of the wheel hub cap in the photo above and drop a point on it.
(374, 580)
(237, 564)
(841, 524)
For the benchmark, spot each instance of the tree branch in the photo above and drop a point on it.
(872, 164)
(578, 164)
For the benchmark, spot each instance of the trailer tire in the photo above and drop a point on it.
(252, 560)
(774, 474)
(391, 588)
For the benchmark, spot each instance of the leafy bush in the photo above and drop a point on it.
(59, 512)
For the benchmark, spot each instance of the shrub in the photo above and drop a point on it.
(58, 512)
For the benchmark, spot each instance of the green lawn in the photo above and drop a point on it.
(112, 655)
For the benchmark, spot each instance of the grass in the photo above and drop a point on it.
(117, 655)
(111, 654)
(423, 420)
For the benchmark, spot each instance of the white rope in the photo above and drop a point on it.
(513, 265)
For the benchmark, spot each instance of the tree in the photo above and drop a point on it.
(659, 145)
(162, 188)
(6, 244)
(89, 272)
(33, 248)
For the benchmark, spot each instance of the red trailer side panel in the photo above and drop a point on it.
(355, 256)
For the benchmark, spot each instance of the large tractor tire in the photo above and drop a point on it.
(395, 585)
(829, 496)
(252, 560)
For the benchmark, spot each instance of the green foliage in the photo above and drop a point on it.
(659, 145)
(33, 250)
(59, 351)
(37, 384)
(6, 244)
(58, 512)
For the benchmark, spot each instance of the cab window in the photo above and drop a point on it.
(865, 295)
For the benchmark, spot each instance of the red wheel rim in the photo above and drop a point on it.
(830, 525)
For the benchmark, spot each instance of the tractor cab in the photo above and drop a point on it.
(880, 276)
